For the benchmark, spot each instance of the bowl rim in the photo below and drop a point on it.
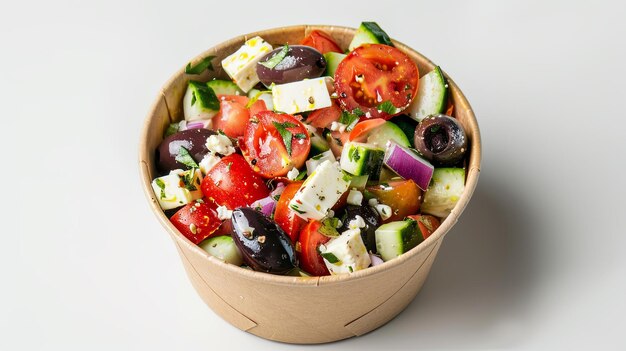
(472, 174)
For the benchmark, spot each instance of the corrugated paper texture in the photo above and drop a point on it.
(297, 309)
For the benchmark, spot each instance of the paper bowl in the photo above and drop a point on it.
(297, 309)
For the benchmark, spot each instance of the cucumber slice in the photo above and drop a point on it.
(395, 238)
(387, 131)
(359, 182)
(318, 144)
(431, 96)
(408, 126)
(444, 191)
(265, 95)
(360, 159)
(224, 248)
(200, 102)
(332, 61)
(224, 87)
(369, 33)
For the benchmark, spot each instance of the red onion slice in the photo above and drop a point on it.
(409, 165)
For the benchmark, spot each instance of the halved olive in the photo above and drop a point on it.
(441, 139)
(370, 217)
(300, 62)
(193, 140)
(264, 245)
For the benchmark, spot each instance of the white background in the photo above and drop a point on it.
(536, 261)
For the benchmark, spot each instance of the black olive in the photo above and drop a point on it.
(370, 217)
(264, 245)
(194, 140)
(301, 62)
(441, 139)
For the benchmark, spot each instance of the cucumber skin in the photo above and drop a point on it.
(406, 237)
(408, 126)
(369, 33)
(371, 165)
(332, 61)
(318, 145)
(388, 131)
(224, 87)
(414, 108)
(224, 248)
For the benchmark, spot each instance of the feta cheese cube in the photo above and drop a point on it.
(320, 191)
(220, 144)
(301, 96)
(315, 161)
(241, 65)
(293, 174)
(177, 188)
(208, 161)
(345, 253)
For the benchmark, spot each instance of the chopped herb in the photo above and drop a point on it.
(387, 107)
(285, 133)
(353, 154)
(276, 197)
(299, 136)
(345, 176)
(301, 175)
(350, 269)
(329, 227)
(317, 157)
(203, 65)
(172, 129)
(330, 257)
(193, 98)
(221, 132)
(277, 58)
(350, 118)
(295, 208)
(204, 95)
(161, 185)
(185, 158)
(188, 178)
(228, 166)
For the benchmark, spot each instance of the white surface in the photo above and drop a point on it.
(536, 261)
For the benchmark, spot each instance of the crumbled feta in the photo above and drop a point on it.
(373, 202)
(293, 174)
(345, 253)
(208, 162)
(220, 144)
(355, 197)
(357, 223)
(384, 211)
(223, 213)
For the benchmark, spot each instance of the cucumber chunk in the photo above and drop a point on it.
(408, 126)
(200, 102)
(224, 87)
(388, 131)
(431, 96)
(332, 61)
(224, 248)
(360, 159)
(395, 238)
(444, 191)
(369, 33)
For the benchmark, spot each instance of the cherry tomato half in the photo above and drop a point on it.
(321, 41)
(232, 183)
(378, 79)
(233, 115)
(286, 217)
(323, 117)
(197, 220)
(403, 196)
(427, 224)
(309, 257)
(274, 143)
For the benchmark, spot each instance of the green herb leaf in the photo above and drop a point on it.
(387, 107)
(277, 58)
(330, 257)
(350, 118)
(299, 136)
(193, 98)
(204, 95)
(350, 269)
(172, 129)
(188, 178)
(329, 227)
(301, 175)
(185, 158)
(295, 208)
(285, 133)
(161, 185)
(201, 66)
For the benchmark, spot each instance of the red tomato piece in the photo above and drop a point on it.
(362, 129)
(309, 257)
(197, 220)
(427, 224)
(323, 117)
(403, 196)
(257, 107)
(232, 183)
(233, 115)
(380, 80)
(285, 217)
(321, 41)
(274, 143)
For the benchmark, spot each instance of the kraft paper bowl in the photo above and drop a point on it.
(298, 309)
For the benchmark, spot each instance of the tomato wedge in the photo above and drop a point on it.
(310, 259)
(197, 220)
(232, 183)
(403, 196)
(427, 224)
(285, 217)
(380, 80)
(233, 115)
(274, 143)
(323, 117)
(321, 41)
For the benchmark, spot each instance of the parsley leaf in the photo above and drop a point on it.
(185, 158)
(188, 178)
(285, 133)
(329, 227)
(161, 185)
(172, 129)
(350, 118)
(301, 175)
(277, 58)
(330, 257)
(201, 66)
(299, 136)
(387, 107)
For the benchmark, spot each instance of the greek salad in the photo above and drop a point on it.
(310, 159)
